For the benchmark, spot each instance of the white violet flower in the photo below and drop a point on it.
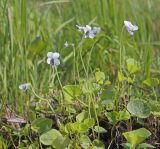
(66, 45)
(130, 27)
(24, 87)
(89, 32)
(53, 58)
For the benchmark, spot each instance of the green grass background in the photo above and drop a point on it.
(31, 28)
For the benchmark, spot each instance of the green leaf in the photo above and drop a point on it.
(89, 122)
(137, 136)
(151, 82)
(139, 108)
(124, 115)
(76, 127)
(100, 77)
(145, 146)
(71, 92)
(84, 141)
(155, 107)
(34, 146)
(99, 129)
(50, 136)
(114, 117)
(132, 65)
(81, 116)
(95, 87)
(98, 144)
(127, 145)
(121, 77)
(61, 142)
(80, 127)
(108, 94)
(69, 128)
(108, 104)
(41, 125)
(107, 98)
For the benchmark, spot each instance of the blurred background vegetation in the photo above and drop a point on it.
(31, 28)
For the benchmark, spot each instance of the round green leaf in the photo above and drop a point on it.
(132, 65)
(85, 141)
(81, 116)
(99, 129)
(100, 77)
(50, 136)
(139, 108)
(89, 122)
(71, 92)
(61, 142)
(41, 125)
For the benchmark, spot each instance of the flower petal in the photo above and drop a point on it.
(96, 30)
(80, 28)
(130, 32)
(50, 54)
(56, 55)
(24, 87)
(66, 45)
(56, 62)
(91, 34)
(130, 28)
(87, 29)
(127, 23)
(48, 60)
(135, 27)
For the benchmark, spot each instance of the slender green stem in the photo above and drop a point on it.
(120, 52)
(60, 85)
(89, 59)
(95, 111)
(74, 61)
(42, 99)
(80, 53)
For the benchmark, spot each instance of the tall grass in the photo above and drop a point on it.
(29, 29)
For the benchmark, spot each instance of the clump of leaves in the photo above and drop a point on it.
(114, 117)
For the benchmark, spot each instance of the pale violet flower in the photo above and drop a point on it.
(66, 45)
(53, 58)
(130, 27)
(88, 31)
(24, 87)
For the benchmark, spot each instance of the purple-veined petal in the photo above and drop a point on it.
(135, 27)
(56, 62)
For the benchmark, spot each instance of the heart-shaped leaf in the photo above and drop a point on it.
(100, 77)
(99, 129)
(41, 125)
(71, 92)
(132, 65)
(136, 136)
(114, 117)
(81, 116)
(151, 82)
(50, 136)
(89, 122)
(85, 142)
(61, 142)
(139, 108)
